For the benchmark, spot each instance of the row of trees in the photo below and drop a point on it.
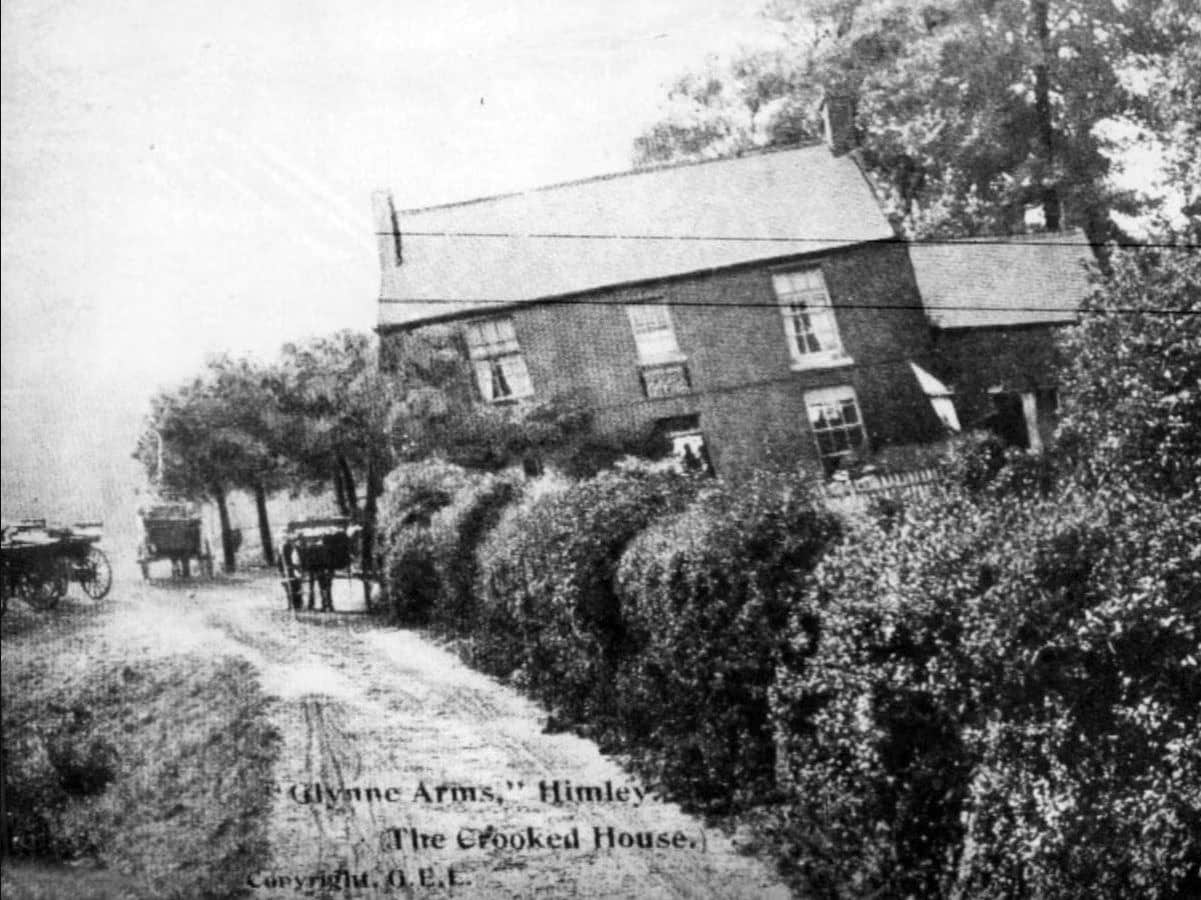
(318, 418)
(969, 112)
(331, 415)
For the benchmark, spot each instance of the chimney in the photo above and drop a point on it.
(838, 119)
(387, 229)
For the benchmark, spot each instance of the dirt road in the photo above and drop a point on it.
(404, 773)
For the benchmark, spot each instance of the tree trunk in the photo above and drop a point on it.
(340, 492)
(260, 505)
(230, 562)
(352, 497)
(375, 487)
(1044, 114)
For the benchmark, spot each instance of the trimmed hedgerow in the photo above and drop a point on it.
(550, 617)
(1005, 701)
(413, 494)
(706, 596)
(454, 535)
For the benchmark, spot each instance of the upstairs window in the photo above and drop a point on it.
(654, 335)
(836, 423)
(496, 357)
(809, 325)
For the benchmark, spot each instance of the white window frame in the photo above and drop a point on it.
(497, 360)
(654, 333)
(826, 410)
(810, 326)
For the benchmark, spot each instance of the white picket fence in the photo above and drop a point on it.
(855, 496)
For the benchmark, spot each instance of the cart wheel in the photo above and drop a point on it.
(45, 592)
(96, 575)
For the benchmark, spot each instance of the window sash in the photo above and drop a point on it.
(809, 322)
(503, 378)
(836, 422)
(490, 338)
(654, 334)
(500, 369)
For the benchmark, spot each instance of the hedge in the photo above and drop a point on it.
(413, 494)
(1005, 701)
(550, 616)
(706, 595)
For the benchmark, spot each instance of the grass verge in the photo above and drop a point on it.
(140, 779)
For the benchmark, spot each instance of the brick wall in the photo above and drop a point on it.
(749, 399)
(1015, 359)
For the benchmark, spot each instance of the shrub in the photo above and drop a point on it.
(413, 494)
(454, 536)
(1132, 387)
(706, 596)
(1004, 701)
(550, 615)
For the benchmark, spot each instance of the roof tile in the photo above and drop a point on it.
(619, 229)
(1001, 281)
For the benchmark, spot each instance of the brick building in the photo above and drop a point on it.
(758, 310)
(995, 305)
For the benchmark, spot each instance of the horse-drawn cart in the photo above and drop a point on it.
(174, 531)
(316, 548)
(39, 563)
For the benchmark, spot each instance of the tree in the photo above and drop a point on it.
(755, 99)
(969, 112)
(346, 416)
(251, 393)
(193, 446)
(1132, 388)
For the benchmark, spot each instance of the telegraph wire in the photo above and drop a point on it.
(741, 304)
(789, 378)
(1006, 241)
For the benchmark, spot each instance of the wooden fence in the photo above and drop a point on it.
(855, 496)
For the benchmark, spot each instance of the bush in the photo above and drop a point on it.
(1132, 387)
(1004, 701)
(706, 595)
(413, 494)
(550, 616)
(455, 533)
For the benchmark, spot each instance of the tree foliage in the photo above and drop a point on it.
(969, 112)
(213, 435)
(1005, 699)
(323, 414)
(1133, 386)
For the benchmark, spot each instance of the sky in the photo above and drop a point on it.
(184, 178)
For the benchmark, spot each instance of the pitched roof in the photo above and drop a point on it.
(619, 229)
(1018, 280)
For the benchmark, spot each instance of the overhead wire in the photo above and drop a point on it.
(1009, 241)
(744, 304)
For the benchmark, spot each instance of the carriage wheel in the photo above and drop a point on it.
(96, 575)
(43, 590)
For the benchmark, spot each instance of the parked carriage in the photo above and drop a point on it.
(38, 563)
(315, 549)
(175, 532)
